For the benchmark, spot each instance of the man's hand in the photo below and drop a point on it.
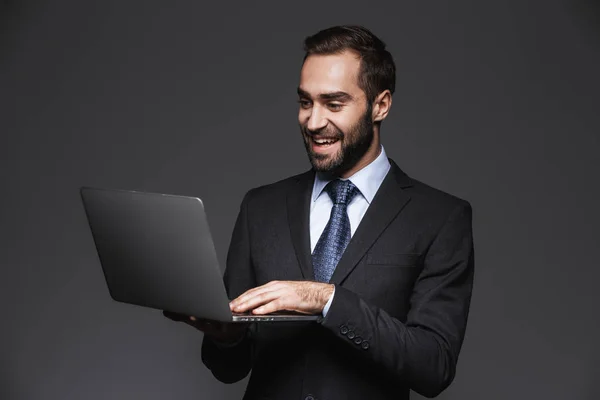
(306, 297)
(220, 331)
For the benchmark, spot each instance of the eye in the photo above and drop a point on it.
(335, 106)
(304, 103)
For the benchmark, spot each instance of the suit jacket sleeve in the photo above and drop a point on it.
(232, 363)
(424, 349)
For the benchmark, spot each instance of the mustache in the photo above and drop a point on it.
(324, 133)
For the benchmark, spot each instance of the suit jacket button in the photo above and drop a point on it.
(351, 335)
(344, 329)
(365, 345)
(309, 397)
(358, 340)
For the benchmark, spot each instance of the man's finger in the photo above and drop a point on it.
(268, 308)
(258, 300)
(255, 300)
(258, 293)
(254, 291)
(279, 304)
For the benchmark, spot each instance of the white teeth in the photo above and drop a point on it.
(325, 141)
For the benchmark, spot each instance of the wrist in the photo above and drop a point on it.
(327, 293)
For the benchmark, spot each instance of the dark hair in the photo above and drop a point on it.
(377, 68)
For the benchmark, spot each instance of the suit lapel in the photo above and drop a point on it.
(298, 211)
(387, 203)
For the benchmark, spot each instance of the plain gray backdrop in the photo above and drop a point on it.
(496, 102)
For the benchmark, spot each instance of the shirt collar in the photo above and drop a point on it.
(367, 180)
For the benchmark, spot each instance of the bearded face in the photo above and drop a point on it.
(335, 117)
(333, 150)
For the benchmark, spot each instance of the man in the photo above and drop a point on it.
(385, 259)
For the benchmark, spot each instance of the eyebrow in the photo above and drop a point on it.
(339, 95)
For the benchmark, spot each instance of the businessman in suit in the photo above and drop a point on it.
(386, 260)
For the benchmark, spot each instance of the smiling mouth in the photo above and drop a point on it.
(323, 142)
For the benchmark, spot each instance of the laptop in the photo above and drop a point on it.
(156, 251)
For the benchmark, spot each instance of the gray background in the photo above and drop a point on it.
(496, 102)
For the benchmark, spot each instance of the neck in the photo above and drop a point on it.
(368, 158)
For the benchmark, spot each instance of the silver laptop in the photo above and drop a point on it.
(156, 251)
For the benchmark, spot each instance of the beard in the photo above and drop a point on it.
(354, 144)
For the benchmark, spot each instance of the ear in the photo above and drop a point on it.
(382, 105)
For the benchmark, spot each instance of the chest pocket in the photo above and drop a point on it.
(386, 280)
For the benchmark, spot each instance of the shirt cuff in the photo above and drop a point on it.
(326, 308)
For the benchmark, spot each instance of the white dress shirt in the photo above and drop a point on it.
(367, 180)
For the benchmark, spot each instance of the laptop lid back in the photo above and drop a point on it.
(156, 251)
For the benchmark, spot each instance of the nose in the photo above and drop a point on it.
(316, 120)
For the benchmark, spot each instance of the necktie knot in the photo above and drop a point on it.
(341, 192)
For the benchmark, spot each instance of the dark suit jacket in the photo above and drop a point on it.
(398, 317)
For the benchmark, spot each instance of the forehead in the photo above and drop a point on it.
(331, 73)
